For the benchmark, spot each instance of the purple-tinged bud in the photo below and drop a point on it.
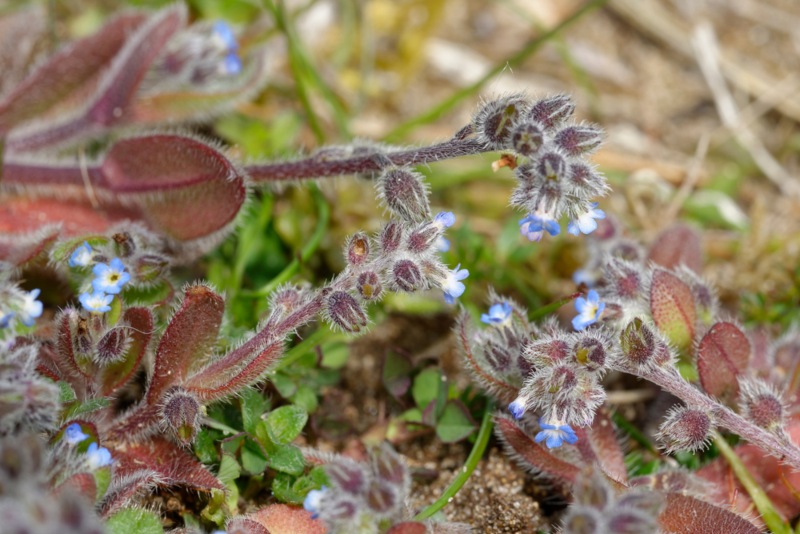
(405, 194)
(382, 497)
(346, 476)
(391, 236)
(112, 346)
(180, 413)
(494, 121)
(561, 380)
(585, 182)
(551, 112)
(407, 276)
(625, 249)
(630, 520)
(527, 138)
(126, 246)
(422, 239)
(760, 405)
(369, 286)
(638, 343)
(286, 299)
(358, 249)
(498, 356)
(623, 279)
(82, 335)
(150, 267)
(578, 140)
(590, 352)
(583, 520)
(685, 429)
(549, 352)
(345, 312)
(551, 166)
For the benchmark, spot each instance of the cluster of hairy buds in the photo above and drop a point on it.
(597, 509)
(371, 494)
(555, 178)
(29, 401)
(404, 256)
(565, 382)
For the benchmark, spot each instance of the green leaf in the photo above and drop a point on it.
(205, 445)
(155, 293)
(284, 384)
(335, 354)
(287, 459)
(306, 398)
(283, 489)
(396, 374)
(102, 479)
(134, 521)
(455, 423)
(253, 405)
(285, 423)
(426, 387)
(78, 409)
(229, 469)
(252, 456)
(65, 392)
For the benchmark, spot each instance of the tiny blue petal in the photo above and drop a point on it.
(5, 319)
(73, 434)
(313, 500)
(224, 33)
(231, 65)
(98, 456)
(97, 302)
(30, 309)
(109, 278)
(498, 313)
(517, 408)
(452, 286)
(554, 435)
(81, 256)
(442, 244)
(445, 218)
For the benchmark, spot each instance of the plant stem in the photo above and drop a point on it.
(772, 518)
(461, 478)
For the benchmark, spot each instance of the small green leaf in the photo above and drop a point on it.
(150, 294)
(284, 384)
(253, 405)
(306, 398)
(426, 387)
(78, 409)
(455, 423)
(134, 521)
(285, 423)
(287, 459)
(335, 354)
(205, 445)
(102, 479)
(65, 392)
(229, 469)
(252, 456)
(283, 489)
(396, 374)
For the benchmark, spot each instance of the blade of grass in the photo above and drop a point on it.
(475, 455)
(512, 61)
(552, 307)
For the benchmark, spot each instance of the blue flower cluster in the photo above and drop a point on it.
(96, 456)
(107, 282)
(20, 306)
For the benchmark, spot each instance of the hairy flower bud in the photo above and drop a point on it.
(551, 112)
(150, 267)
(584, 182)
(180, 413)
(405, 194)
(345, 312)
(112, 346)
(391, 236)
(685, 429)
(590, 352)
(760, 405)
(578, 140)
(357, 249)
(422, 239)
(551, 166)
(369, 286)
(494, 121)
(638, 343)
(125, 244)
(527, 138)
(407, 275)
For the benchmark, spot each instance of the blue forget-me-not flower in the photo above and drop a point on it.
(589, 310)
(586, 223)
(109, 278)
(499, 314)
(554, 434)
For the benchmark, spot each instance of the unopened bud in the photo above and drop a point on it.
(494, 121)
(590, 352)
(422, 239)
(579, 140)
(585, 182)
(181, 414)
(583, 520)
(551, 166)
(685, 429)
(357, 249)
(638, 343)
(551, 112)
(391, 236)
(150, 267)
(407, 275)
(345, 312)
(527, 138)
(623, 279)
(760, 405)
(369, 285)
(125, 244)
(405, 194)
(112, 346)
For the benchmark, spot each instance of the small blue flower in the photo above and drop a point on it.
(231, 65)
(5, 318)
(223, 33)
(109, 278)
(589, 310)
(499, 314)
(442, 244)
(73, 434)
(585, 277)
(535, 225)
(517, 408)
(452, 286)
(444, 219)
(97, 302)
(555, 434)
(82, 256)
(313, 500)
(586, 223)
(30, 309)
(98, 456)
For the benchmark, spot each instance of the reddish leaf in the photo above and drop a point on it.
(678, 245)
(21, 216)
(64, 355)
(188, 340)
(722, 355)
(687, 515)
(65, 71)
(673, 308)
(285, 519)
(123, 491)
(408, 527)
(22, 249)
(605, 444)
(83, 483)
(139, 328)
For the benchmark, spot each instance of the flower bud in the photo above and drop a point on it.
(405, 194)
(181, 414)
(125, 244)
(551, 166)
(578, 140)
(357, 249)
(493, 123)
(685, 429)
(638, 343)
(422, 239)
(760, 405)
(407, 276)
(583, 520)
(391, 236)
(585, 182)
(527, 138)
(345, 312)
(112, 346)
(551, 112)
(590, 352)
(623, 279)
(150, 267)
(369, 286)
(549, 352)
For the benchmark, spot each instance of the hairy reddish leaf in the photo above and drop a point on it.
(678, 245)
(64, 359)
(22, 216)
(22, 249)
(188, 339)
(687, 515)
(139, 328)
(83, 483)
(605, 444)
(285, 519)
(530, 455)
(673, 308)
(722, 355)
(123, 491)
